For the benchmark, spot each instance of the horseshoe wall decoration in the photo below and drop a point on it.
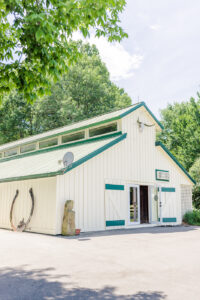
(22, 225)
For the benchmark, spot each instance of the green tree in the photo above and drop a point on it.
(35, 39)
(195, 170)
(196, 196)
(182, 130)
(16, 118)
(195, 173)
(83, 92)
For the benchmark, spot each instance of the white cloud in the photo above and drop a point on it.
(120, 63)
(154, 27)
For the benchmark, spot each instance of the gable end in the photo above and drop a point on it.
(158, 143)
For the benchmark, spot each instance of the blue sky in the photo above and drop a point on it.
(160, 61)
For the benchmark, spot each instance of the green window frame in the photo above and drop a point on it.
(28, 148)
(48, 143)
(11, 152)
(67, 138)
(156, 174)
(112, 127)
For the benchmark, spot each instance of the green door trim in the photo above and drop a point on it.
(115, 223)
(116, 187)
(168, 189)
(168, 220)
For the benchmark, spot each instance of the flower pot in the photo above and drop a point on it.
(77, 232)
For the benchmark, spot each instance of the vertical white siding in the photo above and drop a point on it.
(170, 202)
(44, 216)
(177, 177)
(116, 204)
(86, 187)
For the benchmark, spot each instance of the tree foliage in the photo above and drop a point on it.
(195, 170)
(35, 39)
(181, 132)
(83, 92)
(181, 135)
(196, 196)
(195, 173)
(15, 118)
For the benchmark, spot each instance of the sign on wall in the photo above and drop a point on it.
(162, 175)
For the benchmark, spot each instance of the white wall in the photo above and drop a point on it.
(186, 195)
(133, 160)
(44, 215)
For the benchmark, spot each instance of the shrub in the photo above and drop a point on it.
(192, 217)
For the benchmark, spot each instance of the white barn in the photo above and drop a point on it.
(120, 178)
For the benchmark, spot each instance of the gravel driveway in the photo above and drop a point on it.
(139, 264)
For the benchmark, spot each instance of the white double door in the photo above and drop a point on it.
(154, 204)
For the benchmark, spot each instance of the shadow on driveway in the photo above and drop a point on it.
(18, 283)
(148, 230)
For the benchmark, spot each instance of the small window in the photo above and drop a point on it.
(48, 143)
(27, 148)
(10, 152)
(103, 129)
(73, 137)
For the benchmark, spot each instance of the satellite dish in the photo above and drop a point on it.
(68, 159)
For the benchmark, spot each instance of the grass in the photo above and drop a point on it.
(192, 217)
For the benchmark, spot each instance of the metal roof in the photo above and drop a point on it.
(69, 128)
(108, 117)
(50, 163)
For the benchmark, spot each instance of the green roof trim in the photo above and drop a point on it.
(68, 145)
(74, 165)
(96, 152)
(158, 143)
(145, 106)
(153, 116)
(34, 176)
